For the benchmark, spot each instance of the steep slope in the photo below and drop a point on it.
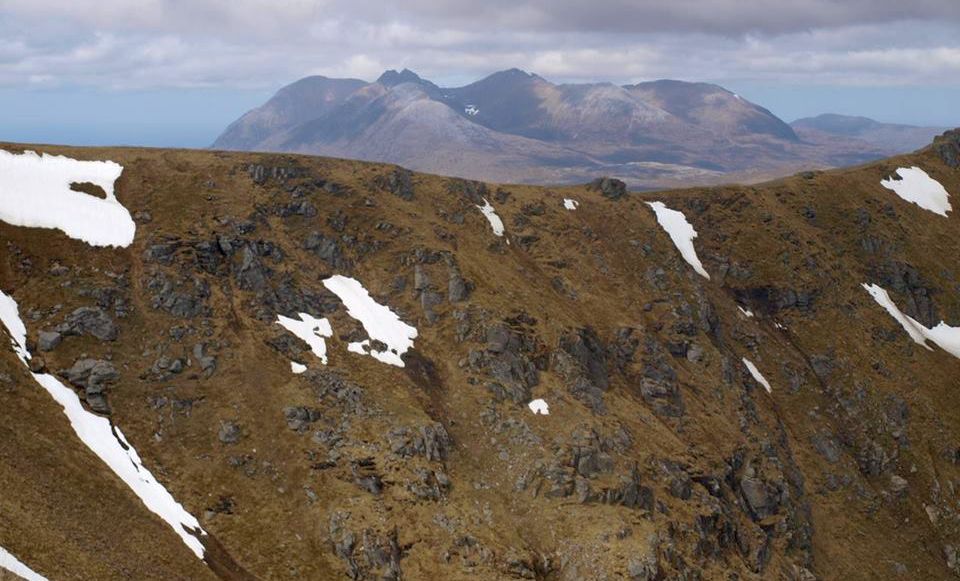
(888, 138)
(713, 108)
(296, 103)
(724, 396)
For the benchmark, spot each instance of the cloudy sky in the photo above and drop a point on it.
(175, 72)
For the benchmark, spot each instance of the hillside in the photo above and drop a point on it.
(515, 126)
(889, 138)
(275, 366)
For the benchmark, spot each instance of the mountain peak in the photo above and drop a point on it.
(514, 74)
(391, 77)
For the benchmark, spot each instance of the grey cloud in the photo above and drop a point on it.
(725, 17)
(119, 44)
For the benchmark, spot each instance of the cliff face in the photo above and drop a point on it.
(769, 417)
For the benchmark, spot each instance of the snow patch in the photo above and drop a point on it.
(945, 336)
(746, 312)
(570, 204)
(35, 192)
(495, 222)
(107, 441)
(917, 187)
(380, 323)
(681, 232)
(311, 330)
(12, 564)
(297, 368)
(471, 110)
(756, 374)
(539, 407)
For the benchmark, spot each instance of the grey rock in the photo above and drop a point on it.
(260, 173)
(827, 446)
(906, 280)
(762, 499)
(176, 366)
(610, 187)
(48, 340)
(659, 390)
(643, 569)
(93, 375)
(327, 249)
(473, 191)
(251, 273)
(299, 418)
(399, 182)
(695, 353)
(898, 484)
(589, 353)
(421, 281)
(230, 432)
(428, 300)
(430, 441)
(90, 321)
(948, 147)
(207, 363)
(458, 289)
(185, 299)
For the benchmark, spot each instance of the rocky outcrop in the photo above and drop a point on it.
(398, 182)
(610, 187)
(948, 147)
(89, 321)
(93, 376)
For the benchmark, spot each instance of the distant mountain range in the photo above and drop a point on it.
(514, 126)
(890, 138)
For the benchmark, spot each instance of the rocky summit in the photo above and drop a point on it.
(312, 368)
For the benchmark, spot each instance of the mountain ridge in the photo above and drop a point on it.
(651, 134)
(891, 138)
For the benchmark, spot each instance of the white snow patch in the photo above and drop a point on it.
(947, 337)
(297, 368)
(756, 374)
(35, 191)
(380, 323)
(746, 312)
(12, 564)
(681, 232)
(311, 330)
(539, 407)
(107, 441)
(471, 110)
(917, 187)
(570, 204)
(495, 222)
(10, 316)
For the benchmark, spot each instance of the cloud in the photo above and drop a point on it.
(120, 45)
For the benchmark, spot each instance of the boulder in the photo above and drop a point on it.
(399, 182)
(610, 187)
(89, 321)
(230, 432)
(48, 340)
(93, 375)
(762, 499)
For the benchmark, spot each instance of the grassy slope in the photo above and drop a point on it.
(607, 251)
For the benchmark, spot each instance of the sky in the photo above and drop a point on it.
(176, 72)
